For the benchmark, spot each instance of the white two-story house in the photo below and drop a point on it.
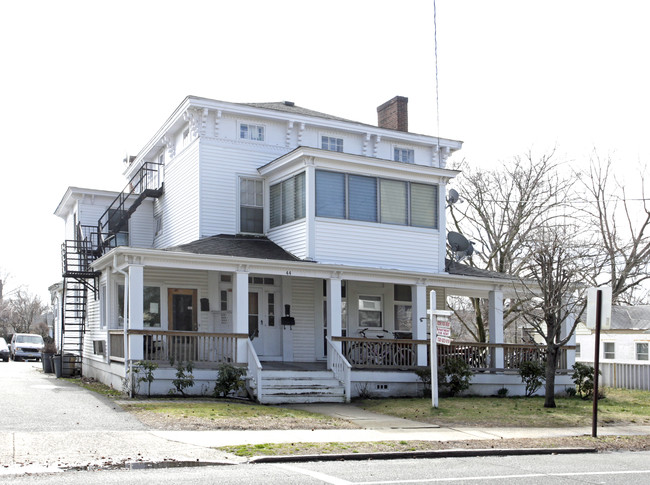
(266, 235)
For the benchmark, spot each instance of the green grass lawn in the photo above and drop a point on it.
(621, 406)
(217, 409)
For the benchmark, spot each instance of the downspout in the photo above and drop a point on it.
(126, 324)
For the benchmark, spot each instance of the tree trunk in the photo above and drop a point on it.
(480, 326)
(551, 364)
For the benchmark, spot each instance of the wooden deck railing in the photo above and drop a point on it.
(402, 354)
(163, 346)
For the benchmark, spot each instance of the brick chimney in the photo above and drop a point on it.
(393, 114)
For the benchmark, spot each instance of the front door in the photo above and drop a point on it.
(264, 323)
(182, 318)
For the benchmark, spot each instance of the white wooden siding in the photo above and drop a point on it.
(376, 245)
(302, 309)
(180, 202)
(141, 226)
(221, 168)
(291, 237)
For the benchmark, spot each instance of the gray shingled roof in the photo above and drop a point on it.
(289, 107)
(455, 268)
(241, 246)
(631, 317)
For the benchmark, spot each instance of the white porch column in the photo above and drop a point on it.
(136, 312)
(240, 312)
(495, 317)
(310, 209)
(419, 320)
(334, 309)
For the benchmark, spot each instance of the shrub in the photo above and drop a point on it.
(503, 392)
(184, 378)
(230, 379)
(455, 376)
(583, 378)
(570, 391)
(147, 368)
(532, 375)
(424, 375)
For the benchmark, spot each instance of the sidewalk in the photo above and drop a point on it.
(30, 451)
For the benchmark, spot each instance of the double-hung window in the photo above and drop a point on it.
(405, 155)
(332, 143)
(251, 206)
(642, 351)
(370, 312)
(609, 350)
(248, 131)
(288, 200)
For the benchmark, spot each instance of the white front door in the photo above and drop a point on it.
(264, 323)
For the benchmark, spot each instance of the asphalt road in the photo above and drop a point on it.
(608, 468)
(32, 401)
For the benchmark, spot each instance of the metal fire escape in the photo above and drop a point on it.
(90, 243)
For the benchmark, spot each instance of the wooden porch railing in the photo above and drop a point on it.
(163, 346)
(401, 354)
(341, 368)
(379, 353)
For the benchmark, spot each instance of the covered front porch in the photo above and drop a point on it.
(357, 329)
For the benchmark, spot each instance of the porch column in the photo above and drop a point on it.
(495, 317)
(136, 313)
(240, 312)
(334, 310)
(419, 320)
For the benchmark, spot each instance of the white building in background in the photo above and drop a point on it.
(298, 244)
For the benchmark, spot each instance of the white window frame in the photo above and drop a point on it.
(251, 128)
(241, 203)
(609, 354)
(331, 143)
(402, 303)
(642, 356)
(409, 152)
(373, 300)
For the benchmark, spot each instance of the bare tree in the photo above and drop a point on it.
(25, 308)
(501, 210)
(559, 259)
(623, 226)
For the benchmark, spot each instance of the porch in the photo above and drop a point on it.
(359, 361)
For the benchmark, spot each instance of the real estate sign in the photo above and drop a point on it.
(605, 307)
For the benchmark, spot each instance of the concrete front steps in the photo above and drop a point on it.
(300, 386)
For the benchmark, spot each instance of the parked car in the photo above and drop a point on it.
(4, 350)
(26, 346)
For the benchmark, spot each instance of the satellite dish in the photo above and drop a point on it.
(453, 197)
(459, 245)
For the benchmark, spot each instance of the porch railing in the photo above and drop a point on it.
(163, 346)
(341, 368)
(379, 353)
(254, 369)
(402, 354)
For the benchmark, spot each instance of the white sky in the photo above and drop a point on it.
(84, 82)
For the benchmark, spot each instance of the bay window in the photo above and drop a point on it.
(288, 200)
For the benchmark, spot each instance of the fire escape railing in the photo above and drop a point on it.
(146, 182)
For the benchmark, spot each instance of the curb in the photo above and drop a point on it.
(395, 455)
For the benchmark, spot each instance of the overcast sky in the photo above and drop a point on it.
(84, 83)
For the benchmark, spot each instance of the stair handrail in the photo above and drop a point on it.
(254, 368)
(147, 174)
(340, 367)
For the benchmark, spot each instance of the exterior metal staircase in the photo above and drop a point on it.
(90, 243)
(147, 182)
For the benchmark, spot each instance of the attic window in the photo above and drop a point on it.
(405, 155)
(332, 144)
(251, 132)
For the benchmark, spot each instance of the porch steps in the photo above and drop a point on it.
(300, 386)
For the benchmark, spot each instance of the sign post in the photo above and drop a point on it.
(439, 334)
(599, 315)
